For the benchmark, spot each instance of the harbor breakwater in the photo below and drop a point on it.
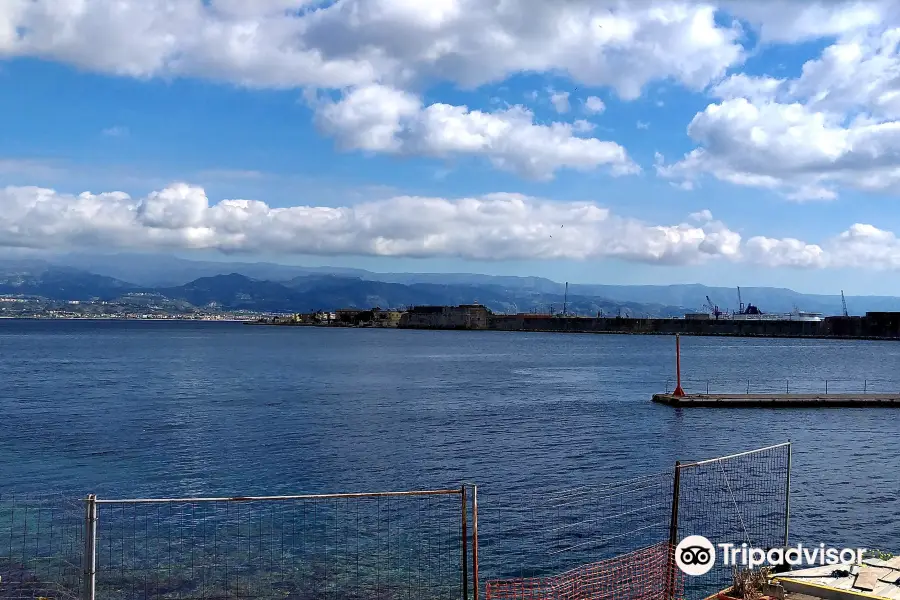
(871, 326)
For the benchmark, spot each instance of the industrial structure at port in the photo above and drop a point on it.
(874, 325)
(753, 313)
(748, 320)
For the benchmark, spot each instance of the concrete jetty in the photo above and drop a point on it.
(778, 400)
(679, 398)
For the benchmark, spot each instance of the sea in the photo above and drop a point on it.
(181, 409)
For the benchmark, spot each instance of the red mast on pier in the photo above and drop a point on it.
(678, 393)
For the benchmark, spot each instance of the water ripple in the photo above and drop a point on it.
(207, 408)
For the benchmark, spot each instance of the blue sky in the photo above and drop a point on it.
(783, 169)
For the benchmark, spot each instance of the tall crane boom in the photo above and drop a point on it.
(844, 304)
(740, 302)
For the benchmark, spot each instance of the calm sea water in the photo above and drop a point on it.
(165, 409)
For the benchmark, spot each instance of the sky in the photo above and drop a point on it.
(593, 141)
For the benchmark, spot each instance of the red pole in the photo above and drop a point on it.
(678, 393)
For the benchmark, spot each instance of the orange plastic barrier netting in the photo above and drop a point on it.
(645, 574)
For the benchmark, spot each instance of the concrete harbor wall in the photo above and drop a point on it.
(779, 400)
(656, 326)
(871, 326)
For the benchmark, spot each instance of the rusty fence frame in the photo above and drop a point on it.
(779, 535)
(93, 529)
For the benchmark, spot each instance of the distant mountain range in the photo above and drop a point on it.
(310, 292)
(275, 287)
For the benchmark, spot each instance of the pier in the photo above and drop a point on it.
(873, 326)
(778, 400)
(678, 397)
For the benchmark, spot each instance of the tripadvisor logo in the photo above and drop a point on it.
(695, 555)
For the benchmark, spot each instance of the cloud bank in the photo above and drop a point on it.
(491, 227)
(499, 226)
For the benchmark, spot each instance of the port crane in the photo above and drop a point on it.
(750, 309)
(844, 304)
(712, 307)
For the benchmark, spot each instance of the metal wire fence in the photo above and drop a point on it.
(610, 541)
(346, 547)
(792, 385)
(738, 499)
(40, 547)
(616, 542)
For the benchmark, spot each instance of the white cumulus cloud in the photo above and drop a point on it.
(275, 43)
(381, 54)
(790, 21)
(861, 246)
(385, 119)
(490, 227)
(560, 101)
(388, 48)
(594, 105)
(498, 226)
(836, 125)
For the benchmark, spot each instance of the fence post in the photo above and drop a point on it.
(865, 386)
(787, 386)
(748, 386)
(787, 496)
(475, 540)
(89, 560)
(465, 546)
(673, 531)
(826, 386)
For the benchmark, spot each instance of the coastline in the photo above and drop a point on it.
(180, 319)
(570, 325)
(744, 334)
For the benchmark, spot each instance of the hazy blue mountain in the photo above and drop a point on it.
(154, 270)
(330, 290)
(500, 292)
(169, 271)
(235, 291)
(59, 283)
(309, 292)
(538, 284)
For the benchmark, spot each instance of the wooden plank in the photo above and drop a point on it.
(894, 563)
(892, 576)
(844, 583)
(868, 577)
(887, 590)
